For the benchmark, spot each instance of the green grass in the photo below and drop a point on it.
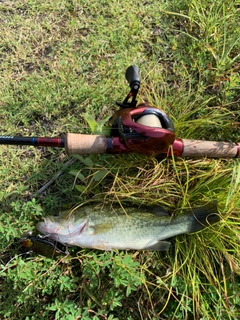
(61, 59)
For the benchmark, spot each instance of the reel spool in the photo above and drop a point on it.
(150, 120)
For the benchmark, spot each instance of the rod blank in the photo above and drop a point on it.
(33, 141)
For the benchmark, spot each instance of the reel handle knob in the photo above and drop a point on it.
(132, 76)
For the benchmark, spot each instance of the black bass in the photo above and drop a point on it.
(133, 229)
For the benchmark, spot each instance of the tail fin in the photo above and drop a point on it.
(204, 216)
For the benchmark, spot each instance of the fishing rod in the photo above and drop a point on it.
(136, 128)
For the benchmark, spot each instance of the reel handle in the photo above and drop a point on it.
(132, 76)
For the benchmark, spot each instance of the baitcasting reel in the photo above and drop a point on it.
(142, 128)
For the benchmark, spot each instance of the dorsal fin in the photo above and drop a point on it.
(155, 209)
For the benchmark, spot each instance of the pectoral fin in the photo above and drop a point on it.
(102, 228)
(159, 246)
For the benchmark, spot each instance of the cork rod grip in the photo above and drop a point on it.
(210, 149)
(85, 143)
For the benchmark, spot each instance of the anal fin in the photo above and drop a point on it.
(159, 246)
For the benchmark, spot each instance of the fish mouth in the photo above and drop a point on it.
(46, 227)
